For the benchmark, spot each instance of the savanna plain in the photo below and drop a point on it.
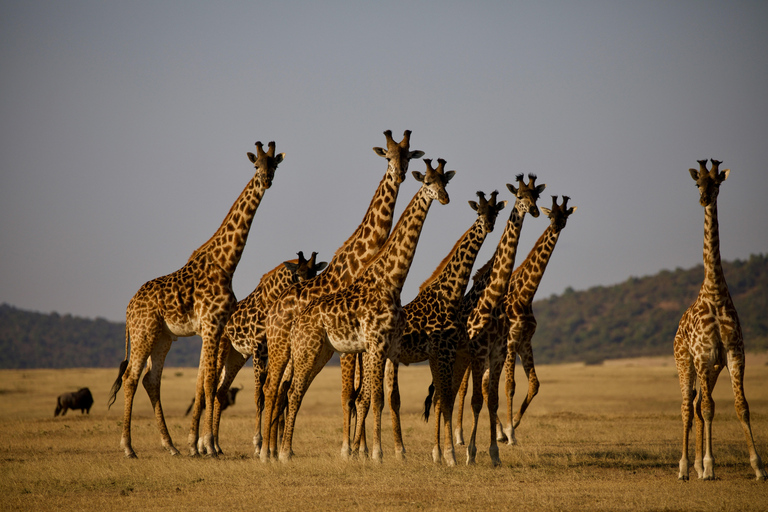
(598, 437)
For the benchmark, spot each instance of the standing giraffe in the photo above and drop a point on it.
(708, 338)
(196, 299)
(483, 302)
(434, 330)
(520, 320)
(244, 335)
(365, 316)
(347, 263)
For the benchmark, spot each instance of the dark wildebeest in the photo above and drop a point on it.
(230, 400)
(80, 399)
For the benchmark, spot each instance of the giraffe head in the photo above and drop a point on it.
(527, 195)
(265, 163)
(559, 213)
(708, 181)
(435, 180)
(488, 210)
(398, 154)
(304, 269)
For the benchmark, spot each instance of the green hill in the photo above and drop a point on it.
(635, 318)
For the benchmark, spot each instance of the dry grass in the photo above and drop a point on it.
(596, 438)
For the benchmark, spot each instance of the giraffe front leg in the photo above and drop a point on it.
(478, 371)
(460, 389)
(259, 379)
(526, 356)
(508, 432)
(348, 395)
(151, 383)
(391, 368)
(376, 367)
(491, 391)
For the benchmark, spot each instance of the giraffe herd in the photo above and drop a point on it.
(304, 311)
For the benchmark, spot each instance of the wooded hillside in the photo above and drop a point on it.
(635, 318)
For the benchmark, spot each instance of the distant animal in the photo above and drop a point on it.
(230, 400)
(80, 399)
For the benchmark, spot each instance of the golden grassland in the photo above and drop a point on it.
(595, 438)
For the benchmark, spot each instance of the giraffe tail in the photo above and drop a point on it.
(119, 380)
(428, 401)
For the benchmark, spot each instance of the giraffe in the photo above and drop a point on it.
(482, 308)
(365, 316)
(244, 333)
(433, 328)
(196, 299)
(520, 320)
(347, 263)
(708, 338)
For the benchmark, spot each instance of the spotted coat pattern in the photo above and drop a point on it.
(196, 299)
(347, 263)
(365, 316)
(708, 339)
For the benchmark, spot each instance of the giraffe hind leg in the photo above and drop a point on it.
(736, 370)
(151, 382)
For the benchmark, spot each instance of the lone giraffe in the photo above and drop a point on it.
(365, 316)
(709, 338)
(434, 330)
(348, 262)
(482, 305)
(196, 299)
(244, 335)
(520, 320)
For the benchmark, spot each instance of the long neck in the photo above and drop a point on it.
(391, 266)
(226, 245)
(454, 272)
(526, 278)
(367, 240)
(497, 279)
(714, 279)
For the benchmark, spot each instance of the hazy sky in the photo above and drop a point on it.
(125, 126)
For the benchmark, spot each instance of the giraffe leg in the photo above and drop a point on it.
(708, 413)
(377, 352)
(151, 383)
(278, 360)
(230, 363)
(526, 357)
(444, 406)
(507, 435)
(478, 373)
(211, 335)
(394, 406)
(348, 366)
(362, 405)
(736, 370)
(461, 391)
(491, 392)
(259, 379)
(687, 375)
(305, 368)
(138, 357)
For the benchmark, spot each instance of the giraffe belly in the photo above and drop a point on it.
(346, 344)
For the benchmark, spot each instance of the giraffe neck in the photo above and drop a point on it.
(453, 274)
(391, 266)
(526, 278)
(226, 246)
(352, 257)
(714, 280)
(494, 282)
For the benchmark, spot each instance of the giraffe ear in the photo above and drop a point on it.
(290, 265)
(546, 210)
(320, 266)
(512, 188)
(473, 205)
(694, 174)
(571, 210)
(415, 154)
(418, 176)
(449, 175)
(279, 158)
(380, 152)
(251, 157)
(725, 174)
(540, 188)
(500, 206)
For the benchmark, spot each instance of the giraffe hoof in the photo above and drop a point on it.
(131, 455)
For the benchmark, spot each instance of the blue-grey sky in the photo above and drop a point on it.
(124, 128)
